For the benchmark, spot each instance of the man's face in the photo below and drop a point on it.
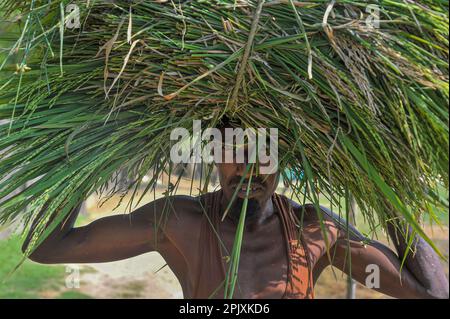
(231, 169)
(261, 190)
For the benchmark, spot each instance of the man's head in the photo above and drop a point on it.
(234, 177)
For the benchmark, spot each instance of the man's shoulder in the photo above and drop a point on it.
(180, 205)
(313, 213)
(194, 202)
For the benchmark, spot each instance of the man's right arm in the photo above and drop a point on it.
(107, 239)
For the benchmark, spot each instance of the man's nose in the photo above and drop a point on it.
(241, 169)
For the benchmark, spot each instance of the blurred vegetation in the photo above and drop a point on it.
(31, 280)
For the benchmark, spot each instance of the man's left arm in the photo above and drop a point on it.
(422, 275)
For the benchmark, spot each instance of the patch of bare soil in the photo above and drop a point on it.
(132, 278)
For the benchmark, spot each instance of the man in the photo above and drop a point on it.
(283, 253)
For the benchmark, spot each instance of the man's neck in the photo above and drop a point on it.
(265, 212)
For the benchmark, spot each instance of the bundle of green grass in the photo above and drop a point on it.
(361, 102)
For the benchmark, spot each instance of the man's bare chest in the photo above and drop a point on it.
(264, 263)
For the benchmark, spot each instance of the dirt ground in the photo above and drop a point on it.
(147, 276)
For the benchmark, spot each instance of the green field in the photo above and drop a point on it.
(31, 280)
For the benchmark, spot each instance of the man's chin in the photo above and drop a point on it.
(253, 207)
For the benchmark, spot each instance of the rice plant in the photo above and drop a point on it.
(361, 109)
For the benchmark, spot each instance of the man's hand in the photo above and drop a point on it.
(422, 275)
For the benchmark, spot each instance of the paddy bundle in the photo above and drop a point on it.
(357, 89)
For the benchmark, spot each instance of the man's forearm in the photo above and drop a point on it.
(422, 262)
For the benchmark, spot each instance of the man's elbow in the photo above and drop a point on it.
(440, 291)
(37, 255)
(40, 259)
(440, 287)
(439, 294)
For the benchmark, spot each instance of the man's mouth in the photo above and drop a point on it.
(252, 189)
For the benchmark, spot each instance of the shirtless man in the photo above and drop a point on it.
(273, 263)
